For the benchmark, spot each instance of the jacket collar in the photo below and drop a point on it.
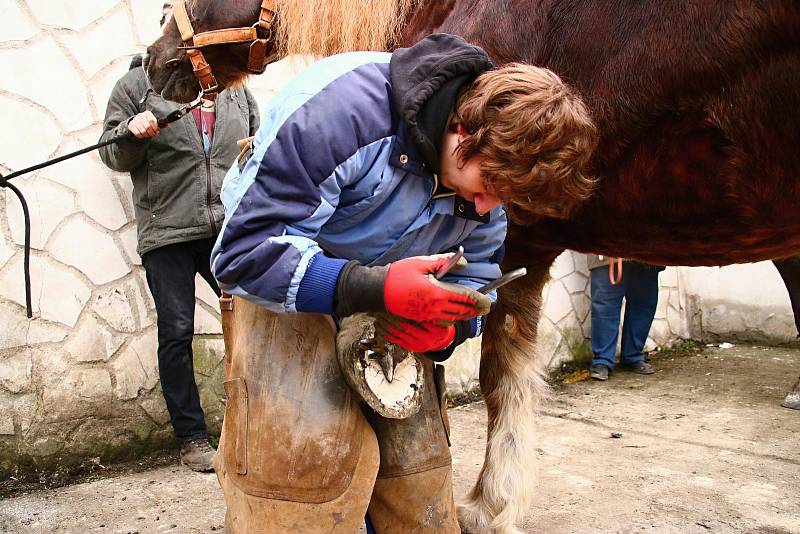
(406, 155)
(425, 80)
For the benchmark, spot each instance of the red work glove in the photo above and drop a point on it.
(418, 337)
(411, 291)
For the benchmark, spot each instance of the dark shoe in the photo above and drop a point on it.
(599, 372)
(198, 455)
(642, 368)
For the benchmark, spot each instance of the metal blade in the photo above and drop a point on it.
(503, 280)
(451, 262)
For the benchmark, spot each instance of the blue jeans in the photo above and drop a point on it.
(171, 271)
(639, 287)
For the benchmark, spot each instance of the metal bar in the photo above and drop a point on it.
(503, 280)
(451, 262)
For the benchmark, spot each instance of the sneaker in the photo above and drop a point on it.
(642, 368)
(198, 455)
(599, 372)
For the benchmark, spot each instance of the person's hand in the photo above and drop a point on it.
(144, 125)
(416, 337)
(411, 291)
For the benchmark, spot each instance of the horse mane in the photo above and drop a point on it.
(326, 27)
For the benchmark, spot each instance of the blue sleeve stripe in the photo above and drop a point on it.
(239, 292)
(280, 190)
(330, 189)
(264, 270)
(329, 128)
(308, 249)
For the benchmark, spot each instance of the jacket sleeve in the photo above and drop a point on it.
(304, 155)
(252, 106)
(126, 154)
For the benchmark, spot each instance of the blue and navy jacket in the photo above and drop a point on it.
(335, 176)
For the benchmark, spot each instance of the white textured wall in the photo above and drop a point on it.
(738, 302)
(80, 378)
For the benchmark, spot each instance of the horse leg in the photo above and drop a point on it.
(789, 269)
(512, 382)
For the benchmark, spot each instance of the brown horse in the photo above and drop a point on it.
(698, 105)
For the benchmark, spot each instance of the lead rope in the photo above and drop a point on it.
(26, 263)
(612, 277)
(4, 183)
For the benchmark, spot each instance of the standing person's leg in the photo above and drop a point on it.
(641, 300)
(170, 275)
(202, 251)
(606, 308)
(414, 489)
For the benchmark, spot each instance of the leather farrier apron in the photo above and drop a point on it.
(298, 453)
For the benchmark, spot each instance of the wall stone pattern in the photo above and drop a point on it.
(80, 379)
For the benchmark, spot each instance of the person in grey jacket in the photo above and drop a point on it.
(177, 173)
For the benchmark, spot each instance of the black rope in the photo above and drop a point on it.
(4, 183)
(59, 159)
(26, 265)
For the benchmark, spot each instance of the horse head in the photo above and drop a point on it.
(209, 46)
(224, 34)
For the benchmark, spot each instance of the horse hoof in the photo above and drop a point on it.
(397, 395)
(473, 521)
(469, 519)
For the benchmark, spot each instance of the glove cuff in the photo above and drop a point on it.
(464, 331)
(360, 289)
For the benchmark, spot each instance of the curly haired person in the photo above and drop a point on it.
(368, 168)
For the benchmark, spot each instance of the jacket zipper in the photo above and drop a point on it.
(434, 196)
(209, 184)
(209, 194)
(433, 192)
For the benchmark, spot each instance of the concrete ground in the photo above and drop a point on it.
(701, 447)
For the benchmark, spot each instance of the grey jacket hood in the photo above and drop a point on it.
(426, 79)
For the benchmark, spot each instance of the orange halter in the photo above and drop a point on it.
(194, 43)
(615, 278)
